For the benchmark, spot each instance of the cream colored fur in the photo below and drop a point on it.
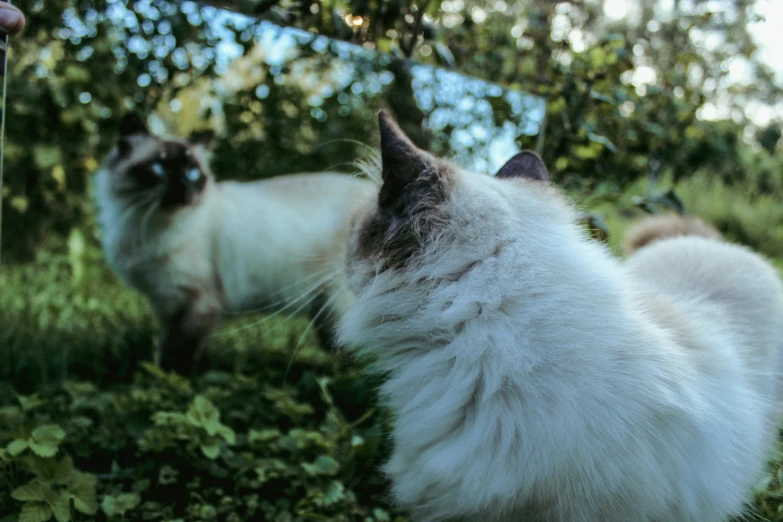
(266, 245)
(534, 377)
(662, 226)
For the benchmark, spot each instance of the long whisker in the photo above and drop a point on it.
(334, 166)
(145, 220)
(298, 309)
(127, 216)
(312, 292)
(324, 307)
(134, 205)
(283, 300)
(301, 307)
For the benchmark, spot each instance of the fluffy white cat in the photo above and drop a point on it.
(199, 248)
(535, 377)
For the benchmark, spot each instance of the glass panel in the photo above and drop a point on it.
(270, 77)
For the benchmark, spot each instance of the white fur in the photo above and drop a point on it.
(271, 243)
(534, 377)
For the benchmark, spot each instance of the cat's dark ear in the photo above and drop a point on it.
(203, 138)
(132, 124)
(527, 164)
(406, 169)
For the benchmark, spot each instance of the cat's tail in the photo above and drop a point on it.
(653, 228)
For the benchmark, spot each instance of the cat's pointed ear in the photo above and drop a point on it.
(132, 124)
(527, 164)
(405, 167)
(203, 138)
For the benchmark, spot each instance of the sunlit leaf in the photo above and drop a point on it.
(323, 465)
(32, 491)
(19, 203)
(263, 435)
(46, 156)
(17, 446)
(202, 413)
(119, 505)
(211, 448)
(48, 433)
(61, 508)
(82, 487)
(226, 434)
(51, 470)
(44, 449)
(335, 492)
(35, 512)
(77, 74)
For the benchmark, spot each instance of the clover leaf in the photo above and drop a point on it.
(35, 512)
(49, 493)
(46, 439)
(120, 504)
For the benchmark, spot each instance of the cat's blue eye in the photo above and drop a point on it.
(158, 169)
(193, 174)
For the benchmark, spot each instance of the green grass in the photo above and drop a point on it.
(305, 438)
(277, 430)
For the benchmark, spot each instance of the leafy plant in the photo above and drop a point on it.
(56, 484)
(200, 426)
(43, 441)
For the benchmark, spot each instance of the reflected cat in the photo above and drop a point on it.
(199, 249)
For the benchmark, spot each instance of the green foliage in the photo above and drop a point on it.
(70, 78)
(623, 95)
(756, 220)
(82, 64)
(56, 485)
(43, 441)
(200, 426)
(284, 432)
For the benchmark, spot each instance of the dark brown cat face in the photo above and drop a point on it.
(172, 172)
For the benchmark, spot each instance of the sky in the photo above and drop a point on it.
(443, 92)
(768, 36)
(768, 33)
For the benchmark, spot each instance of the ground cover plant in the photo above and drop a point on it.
(277, 430)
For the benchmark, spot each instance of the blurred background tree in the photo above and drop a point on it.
(634, 90)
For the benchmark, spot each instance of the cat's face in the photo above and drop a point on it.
(167, 173)
(430, 212)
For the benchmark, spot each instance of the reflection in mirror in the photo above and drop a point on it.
(282, 100)
(270, 77)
